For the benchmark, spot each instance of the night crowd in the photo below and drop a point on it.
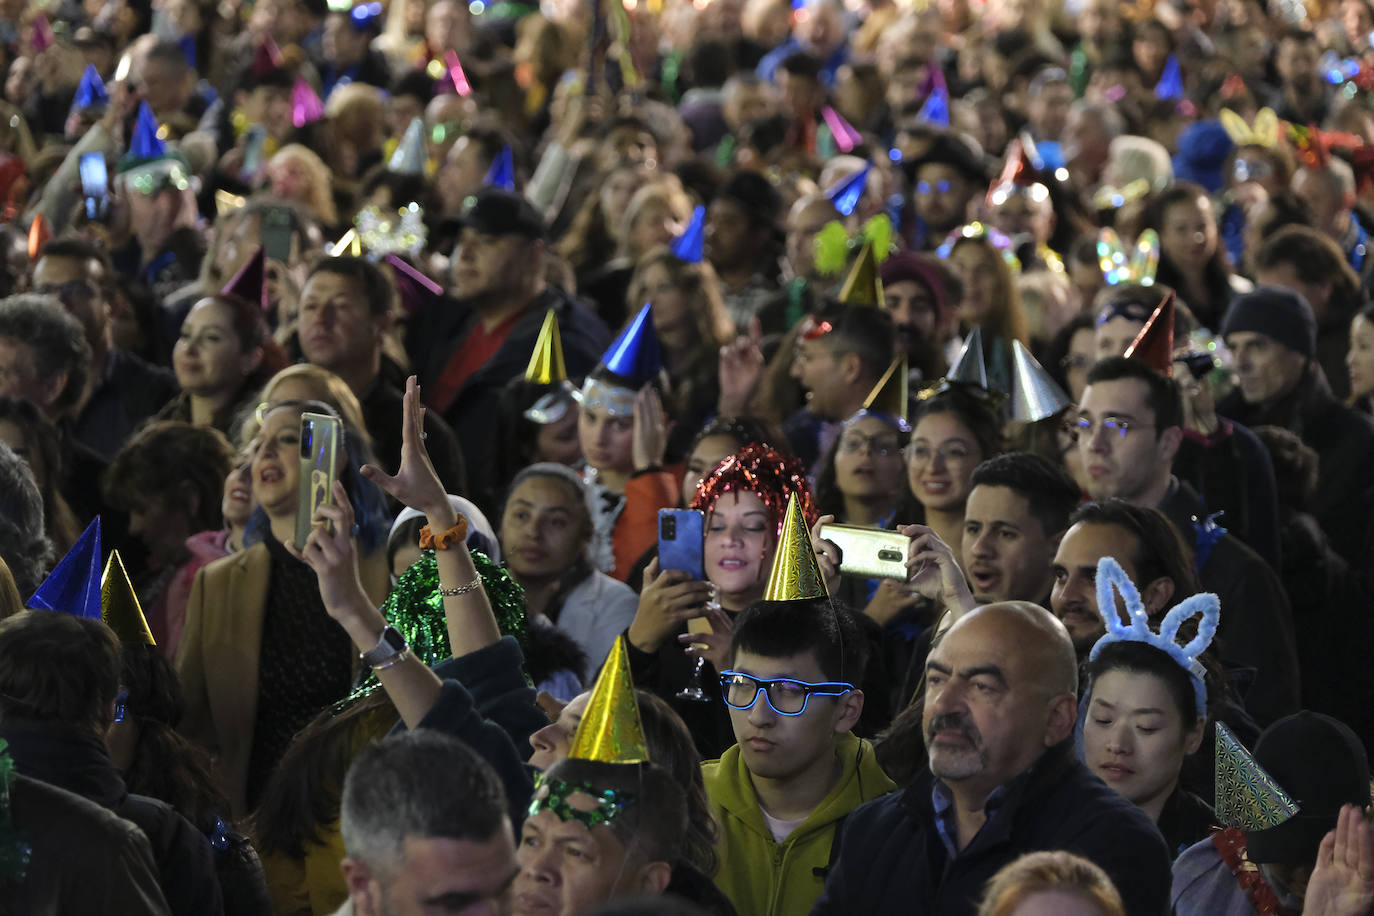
(759, 457)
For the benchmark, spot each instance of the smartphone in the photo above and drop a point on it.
(95, 185)
(319, 467)
(253, 152)
(681, 540)
(278, 226)
(871, 553)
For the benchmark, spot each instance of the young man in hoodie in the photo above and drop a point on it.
(781, 793)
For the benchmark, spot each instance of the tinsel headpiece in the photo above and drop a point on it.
(1139, 267)
(976, 230)
(767, 473)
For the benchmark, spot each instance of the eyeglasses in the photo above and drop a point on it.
(786, 697)
(1086, 428)
(949, 454)
(882, 446)
(69, 291)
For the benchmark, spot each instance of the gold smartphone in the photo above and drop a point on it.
(871, 553)
(319, 467)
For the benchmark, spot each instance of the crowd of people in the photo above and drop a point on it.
(788, 456)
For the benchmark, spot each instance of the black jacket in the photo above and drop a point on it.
(1255, 639)
(892, 859)
(78, 762)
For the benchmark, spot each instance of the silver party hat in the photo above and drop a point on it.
(970, 367)
(1034, 395)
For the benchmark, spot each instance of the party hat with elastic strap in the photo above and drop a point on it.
(634, 355)
(935, 111)
(73, 587)
(1170, 85)
(410, 155)
(1154, 345)
(688, 247)
(846, 193)
(1247, 797)
(267, 57)
(119, 605)
(502, 172)
(1034, 395)
(795, 575)
(611, 730)
(863, 286)
(890, 398)
(90, 92)
(306, 107)
(970, 366)
(250, 281)
(546, 362)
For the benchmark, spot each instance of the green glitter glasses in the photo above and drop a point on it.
(551, 794)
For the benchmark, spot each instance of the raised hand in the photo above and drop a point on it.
(333, 556)
(650, 430)
(1342, 884)
(828, 554)
(667, 601)
(933, 570)
(741, 372)
(890, 600)
(415, 484)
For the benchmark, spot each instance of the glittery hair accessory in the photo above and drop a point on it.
(834, 244)
(553, 794)
(599, 394)
(1264, 132)
(976, 230)
(392, 231)
(1247, 798)
(15, 853)
(1117, 267)
(767, 473)
(1112, 580)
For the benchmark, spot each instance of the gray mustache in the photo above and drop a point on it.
(954, 720)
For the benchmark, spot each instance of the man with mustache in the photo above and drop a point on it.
(1000, 705)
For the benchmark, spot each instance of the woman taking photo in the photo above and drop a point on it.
(259, 656)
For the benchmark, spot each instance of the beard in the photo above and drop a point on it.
(955, 763)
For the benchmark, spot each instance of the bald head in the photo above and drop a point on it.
(1039, 638)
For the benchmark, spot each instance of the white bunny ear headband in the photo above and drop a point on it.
(1111, 579)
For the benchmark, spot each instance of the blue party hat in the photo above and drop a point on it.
(73, 587)
(846, 194)
(936, 109)
(687, 247)
(1170, 85)
(188, 50)
(90, 93)
(146, 144)
(502, 172)
(634, 354)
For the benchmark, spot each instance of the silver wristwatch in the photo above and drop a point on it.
(390, 647)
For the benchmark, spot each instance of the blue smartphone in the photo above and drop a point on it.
(95, 184)
(681, 541)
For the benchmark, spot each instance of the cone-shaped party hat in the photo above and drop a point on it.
(847, 192)
(634, 354)
(90, 92)
(935, 111)
(611, 730)
(687, 247)
(410, 155)
(846, 137)
(1154, 345)
(1019, 172)
(1246, 796)
(1034, 395)
(970, 366)
(146, 144)
(795, 575)
(891, 395)
(119, 605)
(456, 74)
(250, 281)
(546, 362)
(73, 587)
(306, 107)
(412, 285)
(502, 172)
(864, 286)
(42, 34)
(39, 235)
(1170, 85)
(267, 57)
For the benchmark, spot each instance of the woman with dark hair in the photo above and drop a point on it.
(954, 432)
(534, 422)
(34, 439)
(158, 762)
(986, 271)
(1191, 257)
(259, 656)
(223, 356)
(170, 478)
(22, 541)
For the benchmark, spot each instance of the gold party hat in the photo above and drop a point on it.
(611, 731)
(795, 575)
(1246, 796)
(546, 362)
(863, 286)
(119, 606)
(890, 394)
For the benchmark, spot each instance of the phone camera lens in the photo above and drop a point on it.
(669, 528)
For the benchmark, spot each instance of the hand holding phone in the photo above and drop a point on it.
(95, 185)
(319, 468)
(869, 552)
(681, 541)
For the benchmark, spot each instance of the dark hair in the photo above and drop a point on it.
(581, 568)
(24, 541)
(972, 410)
(165, 765)
(1162, 395)
(1143, 658)
(165, 455)
(77, 248)
(710, 62)
(673, 748)
(44, 447)
(416, 84)
(1048, 488)
(57, 667)
(1315, 259)
(1161, 552)
(58, 343)
(653, 822)
(250, 327)
(744, 430)
(865, 332)
(777, 629)
(169, 52)
(1057, 350)
(1216, 273)
(377, 287)
(1289, 209)
(802, 64)
(422, 784)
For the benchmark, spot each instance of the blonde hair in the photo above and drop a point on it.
(1006, 318)
(324, 386)
(321, 195)
(667, 191)
(1059, 871)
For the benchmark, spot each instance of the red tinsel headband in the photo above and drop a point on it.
(767, 473)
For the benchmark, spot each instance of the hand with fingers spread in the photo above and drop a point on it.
(934, 572)
(891, 598)
(669, 599)
(741, 372)
(415, 483)
(650, 430)
(330, 551)
(1342, 884)
(715, 645)
(828, 554)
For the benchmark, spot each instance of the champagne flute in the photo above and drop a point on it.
(696, 688)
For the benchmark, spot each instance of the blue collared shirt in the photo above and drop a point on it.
(942, 800)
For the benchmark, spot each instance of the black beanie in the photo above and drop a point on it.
(1277, 312)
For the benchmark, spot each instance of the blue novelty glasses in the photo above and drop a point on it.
(786, 697)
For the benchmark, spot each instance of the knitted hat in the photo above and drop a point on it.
(1275, 312)
(916, 267)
